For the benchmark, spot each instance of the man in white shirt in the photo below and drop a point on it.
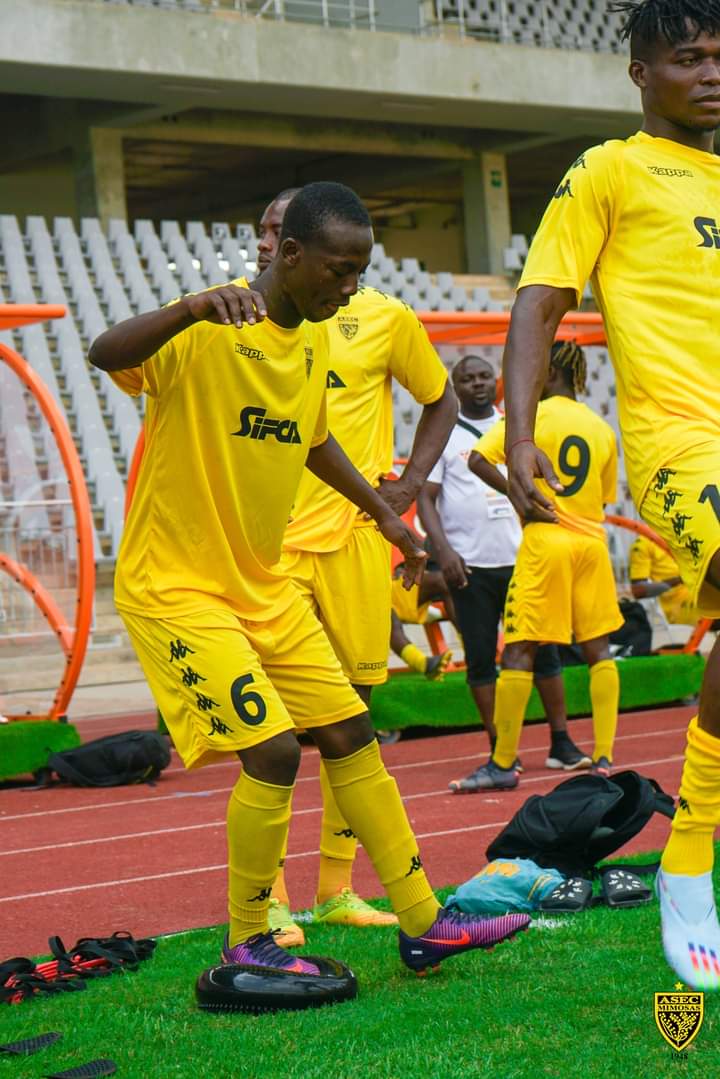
(475, 535)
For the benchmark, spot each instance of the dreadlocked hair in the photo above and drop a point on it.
(646, 21)
(568, 357)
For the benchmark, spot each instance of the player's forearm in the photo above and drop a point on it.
(646, 589)
(130, 343)
(330, 463)
(430, 519)
(535, 318)
(433, 430)
(490, 475)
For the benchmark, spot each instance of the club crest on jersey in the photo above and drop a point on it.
(255, 423)
(348, 326)
(679, 1016)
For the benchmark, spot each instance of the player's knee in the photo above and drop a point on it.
(274, 761)
(339, 740)
(519, 656)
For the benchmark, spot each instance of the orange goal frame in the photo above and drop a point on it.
(73, 642)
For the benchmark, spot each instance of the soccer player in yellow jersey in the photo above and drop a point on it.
(654, 573)
(334, 553)
(233, 654)
(563, 584)
(641, 219)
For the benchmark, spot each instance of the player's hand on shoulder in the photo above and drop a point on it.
(401, 536)
(229, 305)
(525, 462)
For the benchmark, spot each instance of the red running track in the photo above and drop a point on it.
(78, 862)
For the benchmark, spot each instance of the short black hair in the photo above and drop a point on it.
(286, 194)
(647, 22)
(464, 360)
(316, 204)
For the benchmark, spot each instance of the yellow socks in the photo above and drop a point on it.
(512, 694)
(338, 845)
(279, 889)
(604, 701)
(690, 848)
(369, 799)
(415, 659)
(257, 822)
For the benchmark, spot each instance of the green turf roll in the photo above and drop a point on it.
(409, 700)
(25, 747)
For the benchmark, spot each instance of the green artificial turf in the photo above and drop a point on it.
(409, 700)
(25, 747)
(572, 999)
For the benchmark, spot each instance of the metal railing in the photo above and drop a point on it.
(556, 24)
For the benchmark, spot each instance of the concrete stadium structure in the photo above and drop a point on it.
(452, 120)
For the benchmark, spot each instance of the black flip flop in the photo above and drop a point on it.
(573, 895)
(621, 888)
(86, 1071)
(27, 1046)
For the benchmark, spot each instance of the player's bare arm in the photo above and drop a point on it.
(451, 563)
(535, 318)
(131, 342)
(433, 431)
(330, 463)
(487, 472)
(644, 588)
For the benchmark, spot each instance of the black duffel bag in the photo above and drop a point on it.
(130, 757)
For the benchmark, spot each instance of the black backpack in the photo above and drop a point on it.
(581, 821)
(131, 757)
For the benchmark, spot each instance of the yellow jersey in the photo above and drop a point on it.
(648, 562)
(583, 452)
(640, 218)
(231, 416)
(374, 339)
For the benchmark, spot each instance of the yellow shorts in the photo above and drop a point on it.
(349, 591)
(562, 586)
(682, 505)
(224, 684)
(677, 607)
(405, 604)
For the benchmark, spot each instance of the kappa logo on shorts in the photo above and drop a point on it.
(659, 170)
(255, 423)
(679, 521)
(378, 665)
(663, 477)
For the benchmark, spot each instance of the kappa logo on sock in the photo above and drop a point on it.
(415, 865)
(684, 805)
(264, 893)
(346, 833)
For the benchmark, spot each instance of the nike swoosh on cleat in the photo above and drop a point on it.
(296, 968)
(464, 939)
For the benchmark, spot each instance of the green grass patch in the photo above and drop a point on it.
(25, 747)
(409, 700)
(574, 998)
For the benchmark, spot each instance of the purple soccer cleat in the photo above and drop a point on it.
(262, 951)
(453, 932)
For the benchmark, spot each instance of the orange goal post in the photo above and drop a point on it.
(47, 568)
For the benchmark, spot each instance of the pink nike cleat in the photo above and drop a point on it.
(453, 932)
(262, 951)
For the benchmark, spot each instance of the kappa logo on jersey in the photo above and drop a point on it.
(308, 361)
(563, 190)
(334, 382)
(579, 162)
(709, 230)
(348, 325)
(251, 353)
(255, 423)
(658, 170)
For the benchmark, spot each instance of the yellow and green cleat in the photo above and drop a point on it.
(285, 932)
(347, 908)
